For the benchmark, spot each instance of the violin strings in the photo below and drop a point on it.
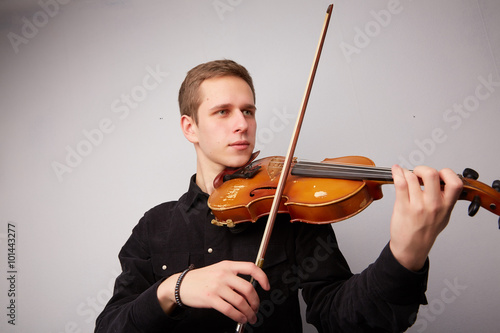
(342, 171)
(366, 168)
(335, 165)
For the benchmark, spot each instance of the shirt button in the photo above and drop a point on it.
(210, 250)
(164, 267)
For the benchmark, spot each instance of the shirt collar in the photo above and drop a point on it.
(194, 193)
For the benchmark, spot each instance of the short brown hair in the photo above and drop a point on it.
(189, 97)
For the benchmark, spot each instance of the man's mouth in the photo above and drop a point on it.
(240, 145)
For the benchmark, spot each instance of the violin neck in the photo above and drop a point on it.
(479, 194)
(342, 171)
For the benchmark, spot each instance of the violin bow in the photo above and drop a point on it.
(289, 155)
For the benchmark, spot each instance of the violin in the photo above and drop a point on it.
(319, 192)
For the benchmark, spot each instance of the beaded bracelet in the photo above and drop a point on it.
(178, 284)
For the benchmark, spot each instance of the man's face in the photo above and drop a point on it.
(225, 132)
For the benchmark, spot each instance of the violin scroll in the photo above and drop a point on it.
(480, 194)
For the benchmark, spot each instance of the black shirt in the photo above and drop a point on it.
(173, 235)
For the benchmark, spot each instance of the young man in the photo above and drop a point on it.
(217, 102)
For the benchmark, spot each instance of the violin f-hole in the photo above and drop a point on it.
(265, 188)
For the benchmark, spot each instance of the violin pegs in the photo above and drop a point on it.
(496, 185)
(470, 173)
(474, 205)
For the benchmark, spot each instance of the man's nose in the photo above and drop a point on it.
(241, 122)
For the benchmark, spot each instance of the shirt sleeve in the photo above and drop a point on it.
(385, 297)
(134, 306)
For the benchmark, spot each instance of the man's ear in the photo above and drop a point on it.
(189, 127)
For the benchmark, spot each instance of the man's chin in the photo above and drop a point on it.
(239, 161)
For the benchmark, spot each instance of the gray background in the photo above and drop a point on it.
(398, 81)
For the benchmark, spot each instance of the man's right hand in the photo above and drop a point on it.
(217, 286)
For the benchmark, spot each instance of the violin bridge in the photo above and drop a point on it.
(275, 166)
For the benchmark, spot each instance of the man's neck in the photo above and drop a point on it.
(206, 186)
(205, 177)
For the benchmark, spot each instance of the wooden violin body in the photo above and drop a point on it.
(306, 199)
(318, 193)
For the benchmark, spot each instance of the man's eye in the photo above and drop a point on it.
(222, 112)
(248, 113)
